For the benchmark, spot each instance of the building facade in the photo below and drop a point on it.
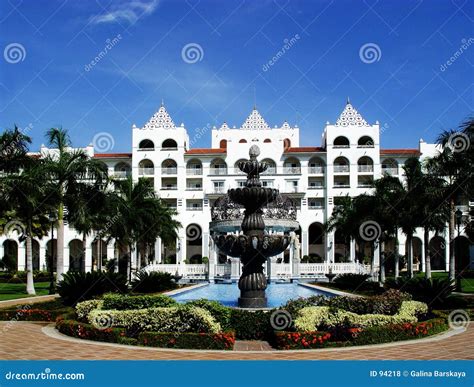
(190, 179)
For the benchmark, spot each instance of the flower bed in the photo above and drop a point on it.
(300, 340)
(215, 341)
(88, 331)
(47, 311)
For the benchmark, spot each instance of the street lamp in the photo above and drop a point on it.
(52, 284)
(458, 215)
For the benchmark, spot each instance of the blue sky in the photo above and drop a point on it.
(47, 45)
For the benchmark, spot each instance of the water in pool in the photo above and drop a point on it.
(227, 294)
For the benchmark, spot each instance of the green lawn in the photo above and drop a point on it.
(467, 284)
(10, 291)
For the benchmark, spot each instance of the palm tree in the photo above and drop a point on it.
(455, 163)
(31, 198)
(138, 216)
(14, 147)
(67, 167)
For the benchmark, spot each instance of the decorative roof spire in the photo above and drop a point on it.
(160, 120)
(350, 117)
(255, 121)
(348, 101)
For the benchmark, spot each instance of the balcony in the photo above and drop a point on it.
(169, 171)
(316, 170)
(342, 168)
(146, 171)
(146, 149)
(218, 171)
(315, 206)
(269, 171)
(194, 208)
(315, 186)
(291, 170)
(365, 168)
(194, 171)
(337, 185)
(169, 188)
(364, 185)
(390, 171)
(194, 188)
(121, 174)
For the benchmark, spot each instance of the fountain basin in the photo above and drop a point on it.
(264, 245)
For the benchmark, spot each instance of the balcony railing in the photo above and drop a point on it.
(291, 170)
(194, 188)
(364, 185)
(145, 149)
(315, 186)
(121, 174)
(190, 208)
(237, 171)
(316, 206)
(269, 171)
(338, 185)
(292, 189)
(169, 171)
(194, 171)
(170, 188)
(341, 168)
(316, 169)
(146, 171)
(218, 171)
(390, 171)
(365, 168)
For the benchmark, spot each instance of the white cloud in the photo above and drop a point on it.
(129, 12)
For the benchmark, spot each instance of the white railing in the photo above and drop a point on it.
(170, 188)
(281, 269)
(316, 169)
(194, 171)
(194, 188)
(310, 269)
(316, 186)
(121, 174)
(291, 169)
(222, 270)
(365, 168)
(269, 171)
(341, 168)
(146, 171)
(218, 171)
(190, 208)
(390, 171)
(169, 171)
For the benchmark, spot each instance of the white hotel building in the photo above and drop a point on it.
(190, 180)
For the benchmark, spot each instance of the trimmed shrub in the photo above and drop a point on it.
(251, 325)
(44, 311)
(127, 340)
(89, 332)
(153, 282)
(125, 302)
(294, 306)
(173, 319)
(326, 318)
(85, 307)
(301, 340)
(222, 341)
(407, 331)
(351, 281)
(220, 312)
(76, 287)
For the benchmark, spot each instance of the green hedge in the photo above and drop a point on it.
(124, 302)
(88, 331)
(300, 340)
(33, 314)
(219, 341)
(398, 332)
(251, 325)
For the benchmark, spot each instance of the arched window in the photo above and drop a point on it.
(122, 169)
(365, 164)
(169, 144)
(316, 165)
(341, 164)
(390, 167)
(272, 168)
(243, 141)
(169, 167)
(267, 140)
(223, 144)
(218, 167)
(146, 167)
(341, 142)
(365, 142)
(146, 145)
(194, 167)
(286, 143)
(236, 167)
(292, 165)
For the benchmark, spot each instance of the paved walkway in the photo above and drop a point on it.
(27, 340)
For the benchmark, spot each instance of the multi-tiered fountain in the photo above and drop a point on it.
(253, 245)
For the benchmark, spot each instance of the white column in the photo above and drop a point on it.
(291, 257)
(88, 259)
(423, 258)
(352, 250)
(111, 255)
(66, 257)
(234, 269)
(21, 256)
(331, 247)
(181, 255)
(446, 249)
(212, 259)
(304, 243)
(158, 257)
(376, 255)
(42, 257)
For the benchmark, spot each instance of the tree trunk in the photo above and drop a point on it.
(397, 256)
(382, 262)
(30, 285)
(452, 257)
(410, 254)
(426, 242)
(60, 244)
(84, 249)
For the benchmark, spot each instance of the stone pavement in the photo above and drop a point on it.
(28, 340)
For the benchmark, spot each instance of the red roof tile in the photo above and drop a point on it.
(305, 149)
(400, 151)
(205, 151)
(111, 155)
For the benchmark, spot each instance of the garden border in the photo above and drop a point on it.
(330, 290)
(50, 330)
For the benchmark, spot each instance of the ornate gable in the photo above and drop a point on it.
(160, 120)
(255, 121)
(350, 117)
